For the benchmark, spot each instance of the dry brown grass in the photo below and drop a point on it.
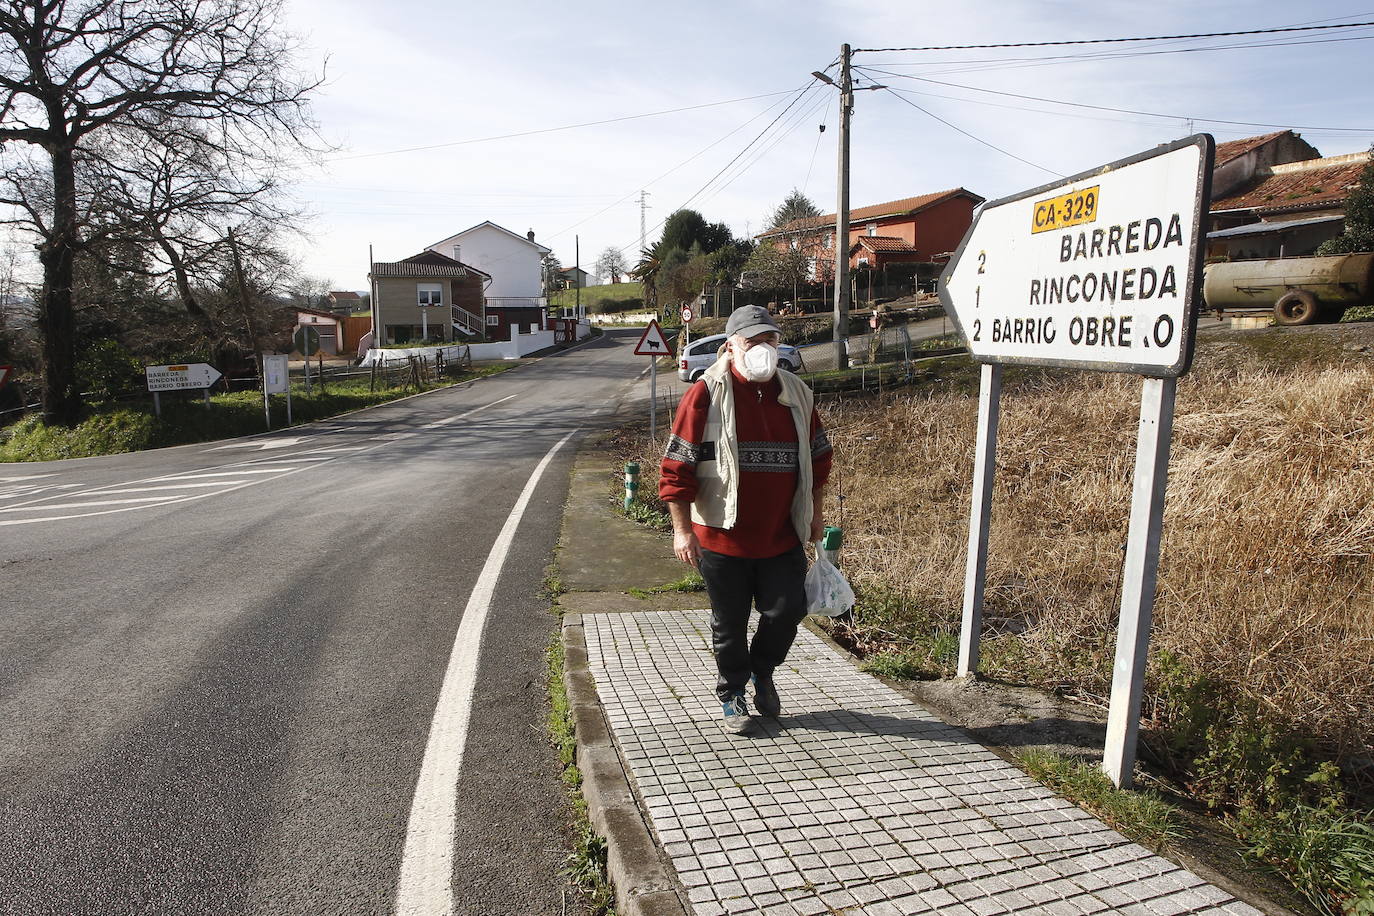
(1265, 579)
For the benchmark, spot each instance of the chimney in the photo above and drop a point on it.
(530, 235)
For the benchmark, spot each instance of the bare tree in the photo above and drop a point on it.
(612, 264)
(85, 82)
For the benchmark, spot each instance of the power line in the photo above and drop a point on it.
(801, 93)
(894, 94)
(1028, 62)
(550, 130)
(1152, 114)
(1099, 41)
(762, 152)
(670, 171)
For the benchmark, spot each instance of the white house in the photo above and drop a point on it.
(514, 262)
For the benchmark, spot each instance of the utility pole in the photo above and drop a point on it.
(842, 217)
(577, 276)
(643, 206)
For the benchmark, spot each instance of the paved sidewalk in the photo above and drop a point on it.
(856, 801)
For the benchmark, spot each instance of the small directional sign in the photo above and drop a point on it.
(1100, 271)
(653, 342)
(4, 374)
(178, 378)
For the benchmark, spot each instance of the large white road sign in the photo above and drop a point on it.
(177, 378)
(1100, 271)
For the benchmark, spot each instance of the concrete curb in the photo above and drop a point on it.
(645, 883)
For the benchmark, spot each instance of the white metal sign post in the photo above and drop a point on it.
(276, 379)
(1102, 272)
(653, 344)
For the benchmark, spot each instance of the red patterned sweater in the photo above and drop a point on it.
(768, 467)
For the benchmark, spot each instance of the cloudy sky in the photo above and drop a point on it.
(445, 114)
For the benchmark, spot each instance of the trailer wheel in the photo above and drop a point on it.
(1297, 307)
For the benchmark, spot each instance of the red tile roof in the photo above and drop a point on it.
(1298, 186)
(1232, 149)
(883, 243)
(904, 207)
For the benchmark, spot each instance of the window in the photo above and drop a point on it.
(872, 228)
(493, 321)
(430, 294)
(829, 240)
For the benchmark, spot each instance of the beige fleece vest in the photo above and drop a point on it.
(718, 480)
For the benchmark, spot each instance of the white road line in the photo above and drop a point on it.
(26, 477)
(222, 474)
(48, 507)
(458, 416)
(175, 486)
(425, 883)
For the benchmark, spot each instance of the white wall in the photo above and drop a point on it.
(512, 261)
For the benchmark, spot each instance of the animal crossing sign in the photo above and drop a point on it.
(1100, 271)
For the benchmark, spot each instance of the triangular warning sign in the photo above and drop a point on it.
(653, 343)
(4, 374)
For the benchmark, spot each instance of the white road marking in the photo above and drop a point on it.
(276, 470)
(425, 883)
(48, 507)
(458, 416)
(285, 442)
(263, 466)
(26, 477)
(174, 486)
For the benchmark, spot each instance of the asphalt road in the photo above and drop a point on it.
(219, 664)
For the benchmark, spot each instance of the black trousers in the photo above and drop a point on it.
(776, 586)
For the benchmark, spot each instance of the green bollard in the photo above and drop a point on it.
(631, 482)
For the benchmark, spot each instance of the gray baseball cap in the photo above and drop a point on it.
(751, 320)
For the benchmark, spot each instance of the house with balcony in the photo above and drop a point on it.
(917, 232)
(427, 297)
(514, 263)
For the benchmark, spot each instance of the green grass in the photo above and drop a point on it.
(1327, 855)
(609, 297)
(113, 430)
(1143, 815)
(692, 582)
(648, 516)
(586, 865)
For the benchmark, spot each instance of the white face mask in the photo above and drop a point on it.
(759, 363)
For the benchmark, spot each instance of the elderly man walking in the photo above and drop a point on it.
(743, 476)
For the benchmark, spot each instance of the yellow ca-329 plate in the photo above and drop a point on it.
(1071, 209)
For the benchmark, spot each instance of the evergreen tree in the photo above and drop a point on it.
(1359, 217)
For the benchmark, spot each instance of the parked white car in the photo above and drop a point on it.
(698, 356)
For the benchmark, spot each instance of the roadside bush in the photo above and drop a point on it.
(103, 434)
(106, 369)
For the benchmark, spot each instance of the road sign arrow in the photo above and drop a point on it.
(187, 376)
(1099, 271)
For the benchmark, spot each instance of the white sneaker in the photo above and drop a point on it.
(736, 712)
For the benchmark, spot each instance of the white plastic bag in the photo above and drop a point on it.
(827, 592)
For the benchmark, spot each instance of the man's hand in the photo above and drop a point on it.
(686, 548)
(685, 545)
